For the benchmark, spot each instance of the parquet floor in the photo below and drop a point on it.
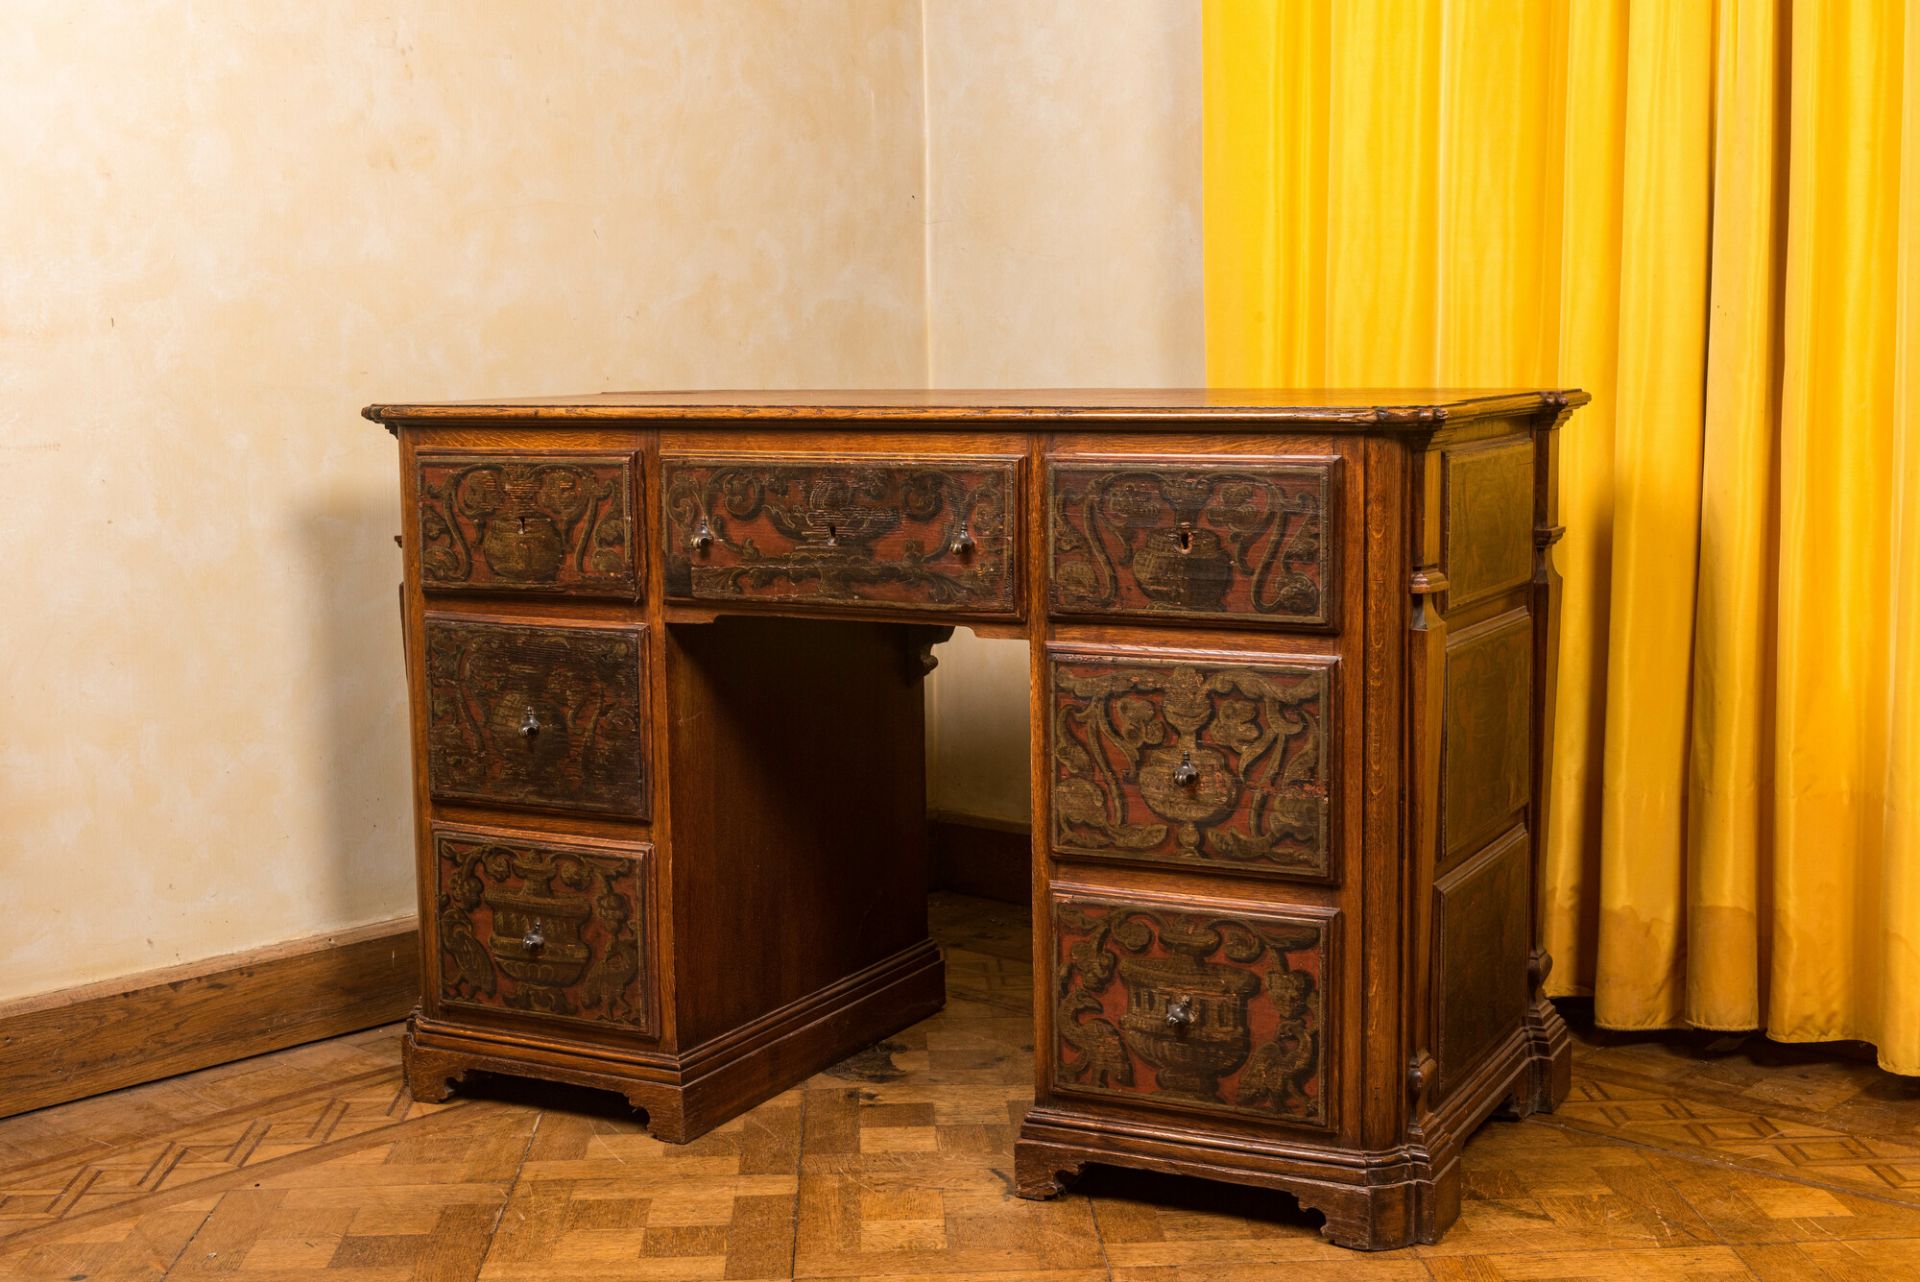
(1759, 1162)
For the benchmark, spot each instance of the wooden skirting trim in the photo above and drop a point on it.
(991, 858)
(100, 1037)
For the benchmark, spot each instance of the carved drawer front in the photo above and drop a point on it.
(1250, 542)
(534, 523)
(871, 532)
(537, 715)
(1206, 763)
(553, 929)
(1222, 1011)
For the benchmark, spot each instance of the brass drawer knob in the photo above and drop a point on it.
(1186, 773)
(962, 542)
(535, 939)
(702, 537)
(530, 725)
(1180, 1012)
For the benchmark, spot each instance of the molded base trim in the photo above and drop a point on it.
(1373, 1201)
(687, 1095)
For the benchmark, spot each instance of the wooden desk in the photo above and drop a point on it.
(1292, 656)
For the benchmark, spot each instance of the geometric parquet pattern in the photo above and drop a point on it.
(1760, 1162)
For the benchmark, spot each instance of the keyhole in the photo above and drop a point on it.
(523, 525)
(833, 532)
(1185, 535)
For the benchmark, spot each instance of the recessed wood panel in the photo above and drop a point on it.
(1177, 539)
(899, 533)
(549, 929)
(537, 715)
(1485, 752)
(1481, 922)
(528, 523)
(1220, 763)
(1219, 1011)
(1489, 526)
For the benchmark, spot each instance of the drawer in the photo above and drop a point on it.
(547, 928)
(895, 532)
(1216, 1009)
(533, 523)
(537, 715)
(1219, 761)
(1250, 541)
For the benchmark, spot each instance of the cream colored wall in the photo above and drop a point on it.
(228, 225)
(1064, 250)
(225, 227)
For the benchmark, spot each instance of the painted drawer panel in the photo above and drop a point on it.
(907, 533)
(556, 930)
(537, 715)
(555, 524)
(1220, 1011)
(1249, 542)
(1211, 762)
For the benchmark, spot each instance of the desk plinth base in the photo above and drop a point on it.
(1373, 1200)
(684, 1096)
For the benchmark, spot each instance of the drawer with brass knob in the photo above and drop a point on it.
(934, 535)
(1211, 1008)
(1210, 762)
(1248, 542)
(542, 715)
(547, 928)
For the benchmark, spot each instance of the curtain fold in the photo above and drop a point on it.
(1708, 215)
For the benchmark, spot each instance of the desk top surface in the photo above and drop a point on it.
(1361, 409)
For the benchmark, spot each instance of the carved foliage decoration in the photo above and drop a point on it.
(1194, 763)
(530, 523)
(1192, 540)
(545, 928)
(1212, 1011)
(881, 532)
(542, 716)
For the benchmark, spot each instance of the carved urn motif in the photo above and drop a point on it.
(1186, 1016)
(1185, 568)
(536, 928)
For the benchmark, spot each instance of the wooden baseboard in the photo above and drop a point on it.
(82, 1041)
(991, 858)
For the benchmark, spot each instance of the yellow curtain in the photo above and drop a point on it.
(1708, 215)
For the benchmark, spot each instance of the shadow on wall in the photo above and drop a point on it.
(359, 770)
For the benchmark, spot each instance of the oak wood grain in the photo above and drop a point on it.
(100, 1037)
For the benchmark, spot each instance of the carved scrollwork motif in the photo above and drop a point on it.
(543, 928)
(528, 523)
(1221, 1012)
(1208, 541)
(1189, 763)
(546, 716)
(906, 532)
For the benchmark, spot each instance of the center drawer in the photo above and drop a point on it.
(894, 532)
